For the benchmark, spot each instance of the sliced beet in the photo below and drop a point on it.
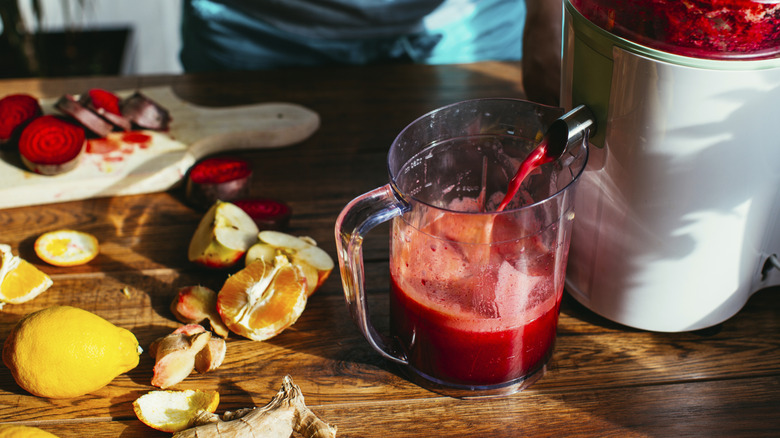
(215, 179)
(268, 214)
(93, 122)
(145, 113)
(105, 104)
(15, 110)
(104, 100)
(50, 145)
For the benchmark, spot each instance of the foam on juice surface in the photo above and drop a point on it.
(471, 284)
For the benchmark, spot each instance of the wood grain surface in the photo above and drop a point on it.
(603, 380)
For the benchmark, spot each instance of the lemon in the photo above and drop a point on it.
(19, 431)
(66, 247)
(63, 352)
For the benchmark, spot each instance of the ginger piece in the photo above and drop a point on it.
(211, 356)
(175, 354)
(284, 414)
(195, 304)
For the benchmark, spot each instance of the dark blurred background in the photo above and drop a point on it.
(53, 38)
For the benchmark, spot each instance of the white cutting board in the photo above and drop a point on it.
(159, 161)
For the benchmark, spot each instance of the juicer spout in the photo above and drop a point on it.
(569, 128)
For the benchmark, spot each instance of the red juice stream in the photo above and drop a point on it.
(536, 158)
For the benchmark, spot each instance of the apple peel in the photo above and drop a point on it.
(211, 356)
(195, 304)
(223, 236)
(176, 354)
(312, 262)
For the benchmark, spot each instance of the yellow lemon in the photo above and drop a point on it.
(63, 352)
(19, 431)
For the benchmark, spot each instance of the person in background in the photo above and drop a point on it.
(266, 34)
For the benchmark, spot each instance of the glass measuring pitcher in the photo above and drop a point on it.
(475, 294)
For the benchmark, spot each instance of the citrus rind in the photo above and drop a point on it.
(263, 299)
(20, 281)
(66, 247)
(174, 411)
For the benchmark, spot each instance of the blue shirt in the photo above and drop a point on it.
(258, 34)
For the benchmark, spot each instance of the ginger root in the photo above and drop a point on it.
(284, 414)
(179, 353)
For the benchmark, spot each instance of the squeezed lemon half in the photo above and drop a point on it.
(66, 247)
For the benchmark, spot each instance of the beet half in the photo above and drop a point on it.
(268, 214)
(215, 179)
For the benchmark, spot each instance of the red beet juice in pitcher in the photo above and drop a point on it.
(474, 299)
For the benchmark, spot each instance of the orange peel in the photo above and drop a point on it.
(66, 247)
(263, 299)
(20, 281)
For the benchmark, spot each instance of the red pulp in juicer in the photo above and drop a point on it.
(715, 29)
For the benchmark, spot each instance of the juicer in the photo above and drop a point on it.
(678, 212)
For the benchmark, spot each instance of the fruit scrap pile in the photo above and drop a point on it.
(191, 414)
(21, 281)
(229, 179)
(52, 144)
(263, 298)
(89, 352)
(280, 271)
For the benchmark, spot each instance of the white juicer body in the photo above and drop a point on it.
(678, 212)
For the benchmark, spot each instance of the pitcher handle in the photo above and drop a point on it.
(358, 218)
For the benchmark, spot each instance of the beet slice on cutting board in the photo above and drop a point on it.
(145, 113)
(15, 110)
(93, 122)
(218, 178)
(106, 105)
(50, 145)
(268, 214)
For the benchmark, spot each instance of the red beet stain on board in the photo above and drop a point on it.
(115, 147)
(139, 139)
(101, 146)
(108, 148)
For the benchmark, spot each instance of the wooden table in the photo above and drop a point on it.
(604, 379)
